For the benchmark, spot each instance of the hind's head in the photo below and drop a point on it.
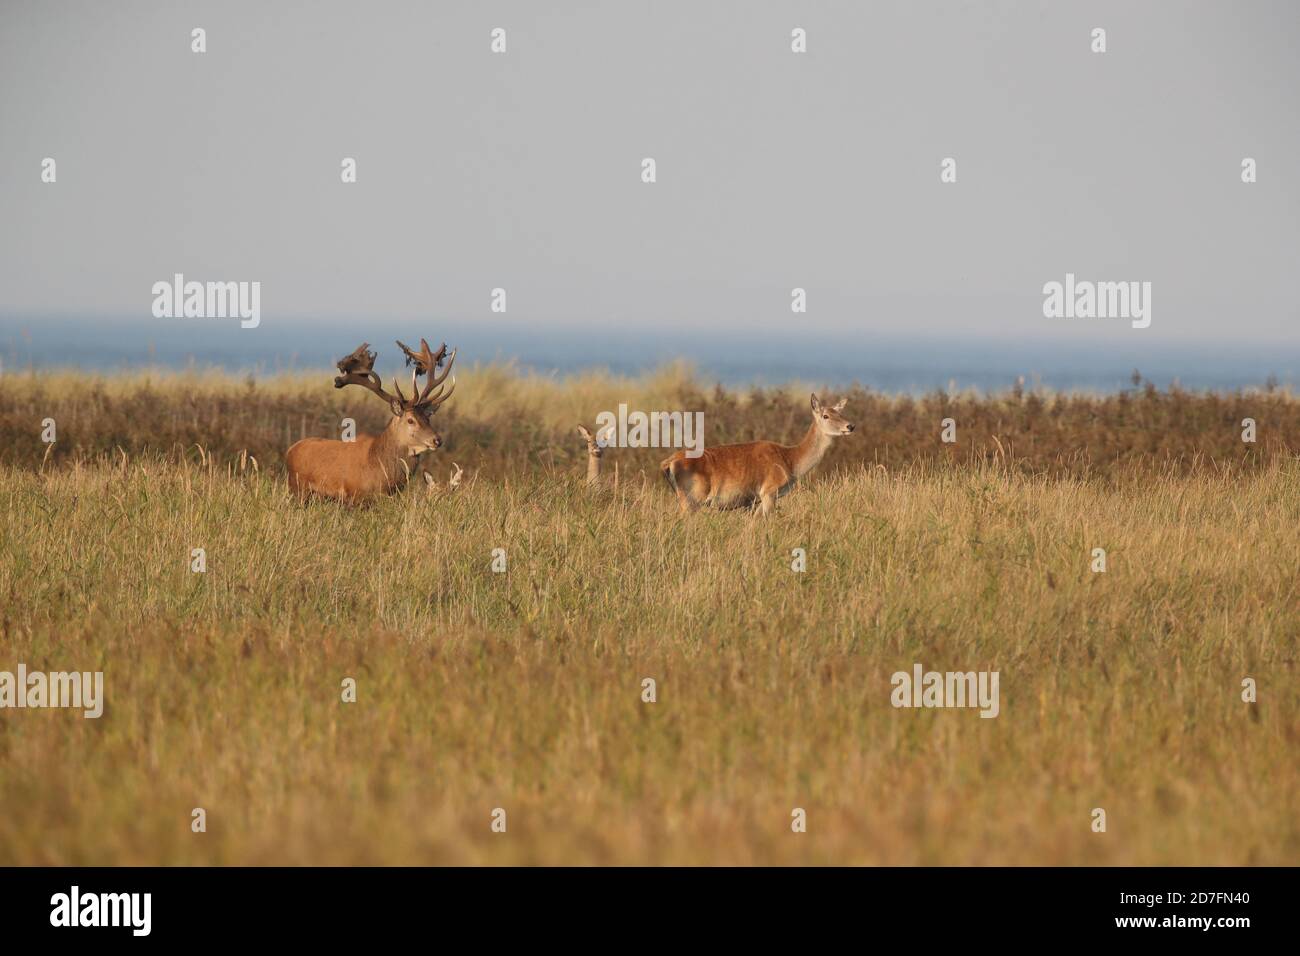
(597, 442)
(828, 419)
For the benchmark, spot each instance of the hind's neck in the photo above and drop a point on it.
(806, 455)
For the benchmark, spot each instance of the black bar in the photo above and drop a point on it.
(333, 906)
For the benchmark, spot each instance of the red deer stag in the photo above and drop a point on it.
(375, 464)
(738, 476)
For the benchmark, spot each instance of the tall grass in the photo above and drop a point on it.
(522, 690)
(503, 423)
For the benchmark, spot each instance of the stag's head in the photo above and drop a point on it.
(414, 431)
(411, 427)
(828, 419)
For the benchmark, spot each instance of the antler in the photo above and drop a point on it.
(361, 360)
(359, 369)
(426, 363)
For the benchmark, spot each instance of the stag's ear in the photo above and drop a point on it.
(816, 405)
(839, 406)
(396, 406)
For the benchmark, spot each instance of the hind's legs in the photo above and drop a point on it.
(683, 484)
(771, 488)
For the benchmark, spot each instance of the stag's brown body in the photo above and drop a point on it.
(351, 471)
(756, 472)
(374, 464)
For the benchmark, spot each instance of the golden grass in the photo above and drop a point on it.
(502, 424)
(522, 690)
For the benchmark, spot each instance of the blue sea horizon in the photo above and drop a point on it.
(900, 364)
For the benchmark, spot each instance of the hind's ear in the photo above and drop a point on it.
(839, 406)
(582, 430)
(816, 405)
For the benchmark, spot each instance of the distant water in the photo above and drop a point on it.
(897, 365)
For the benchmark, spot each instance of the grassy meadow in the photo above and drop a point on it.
(522, 690)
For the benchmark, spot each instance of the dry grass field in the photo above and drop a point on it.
(522, 690)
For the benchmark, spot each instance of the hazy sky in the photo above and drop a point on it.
(775, 170)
